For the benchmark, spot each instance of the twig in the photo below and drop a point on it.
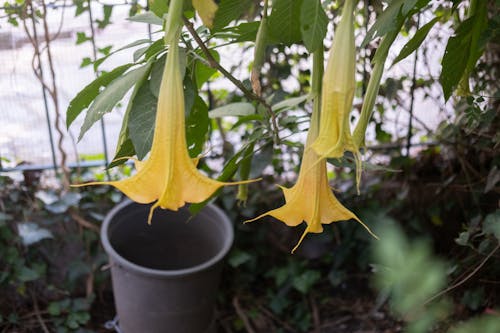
(55, 98)
(315, 315)
(242, 315)
(38, 315)
(276, 319)
(337, 322)
(459, 283)
(248, 93)
(83, 222)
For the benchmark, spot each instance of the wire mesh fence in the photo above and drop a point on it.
(28, 133)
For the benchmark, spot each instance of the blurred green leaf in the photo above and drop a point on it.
(491, 224)
(416, 41)
(306, 280)
(313, 24)
(233, 110)
(284, 21)
(228, 11)
(238, 258)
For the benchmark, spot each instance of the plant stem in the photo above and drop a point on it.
(248, 93)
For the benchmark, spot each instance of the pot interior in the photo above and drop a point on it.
(173, 241)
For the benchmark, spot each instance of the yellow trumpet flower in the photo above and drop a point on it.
(338, 93)
(169, 176)
(311, 199)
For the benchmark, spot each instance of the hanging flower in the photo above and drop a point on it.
(169, 176)
(311, 199)
(338, 93)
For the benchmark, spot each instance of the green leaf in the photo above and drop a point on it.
(416, 41)
(197, 127)
(139, 53)
(83, 99)
(141, 120)
(54, 308)
(106, 10)
(111, 95)
(159, 7)
(244, 32)
(86, 62)
(455, 58)
(133, 44)
(155, 48)
(105, 50)
(306, 280)
(313, 24)
(284, 21)
(387, 21)
(126, 149)
(233, 110)
(289, 103)
(204, 72)
(229, 10)
(81, 38)
(491, 224)
(148, 17)
(156, 75)
(28, 274)
(238, 258)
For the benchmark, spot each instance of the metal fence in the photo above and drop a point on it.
(33, 134)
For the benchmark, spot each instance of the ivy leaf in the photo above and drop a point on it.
(229, 10)
(313, 24)
(111, 95)
(83, 99)
(284, 21)
(106, 10)
(141, 120)
(416, 41)
(81, 38)
(86, 62)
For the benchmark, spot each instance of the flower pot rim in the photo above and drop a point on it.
(118, 259)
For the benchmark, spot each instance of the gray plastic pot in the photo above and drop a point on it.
(165, 275)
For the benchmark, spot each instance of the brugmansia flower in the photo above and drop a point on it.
(311, 199)
(338, 92)
(169, 176)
